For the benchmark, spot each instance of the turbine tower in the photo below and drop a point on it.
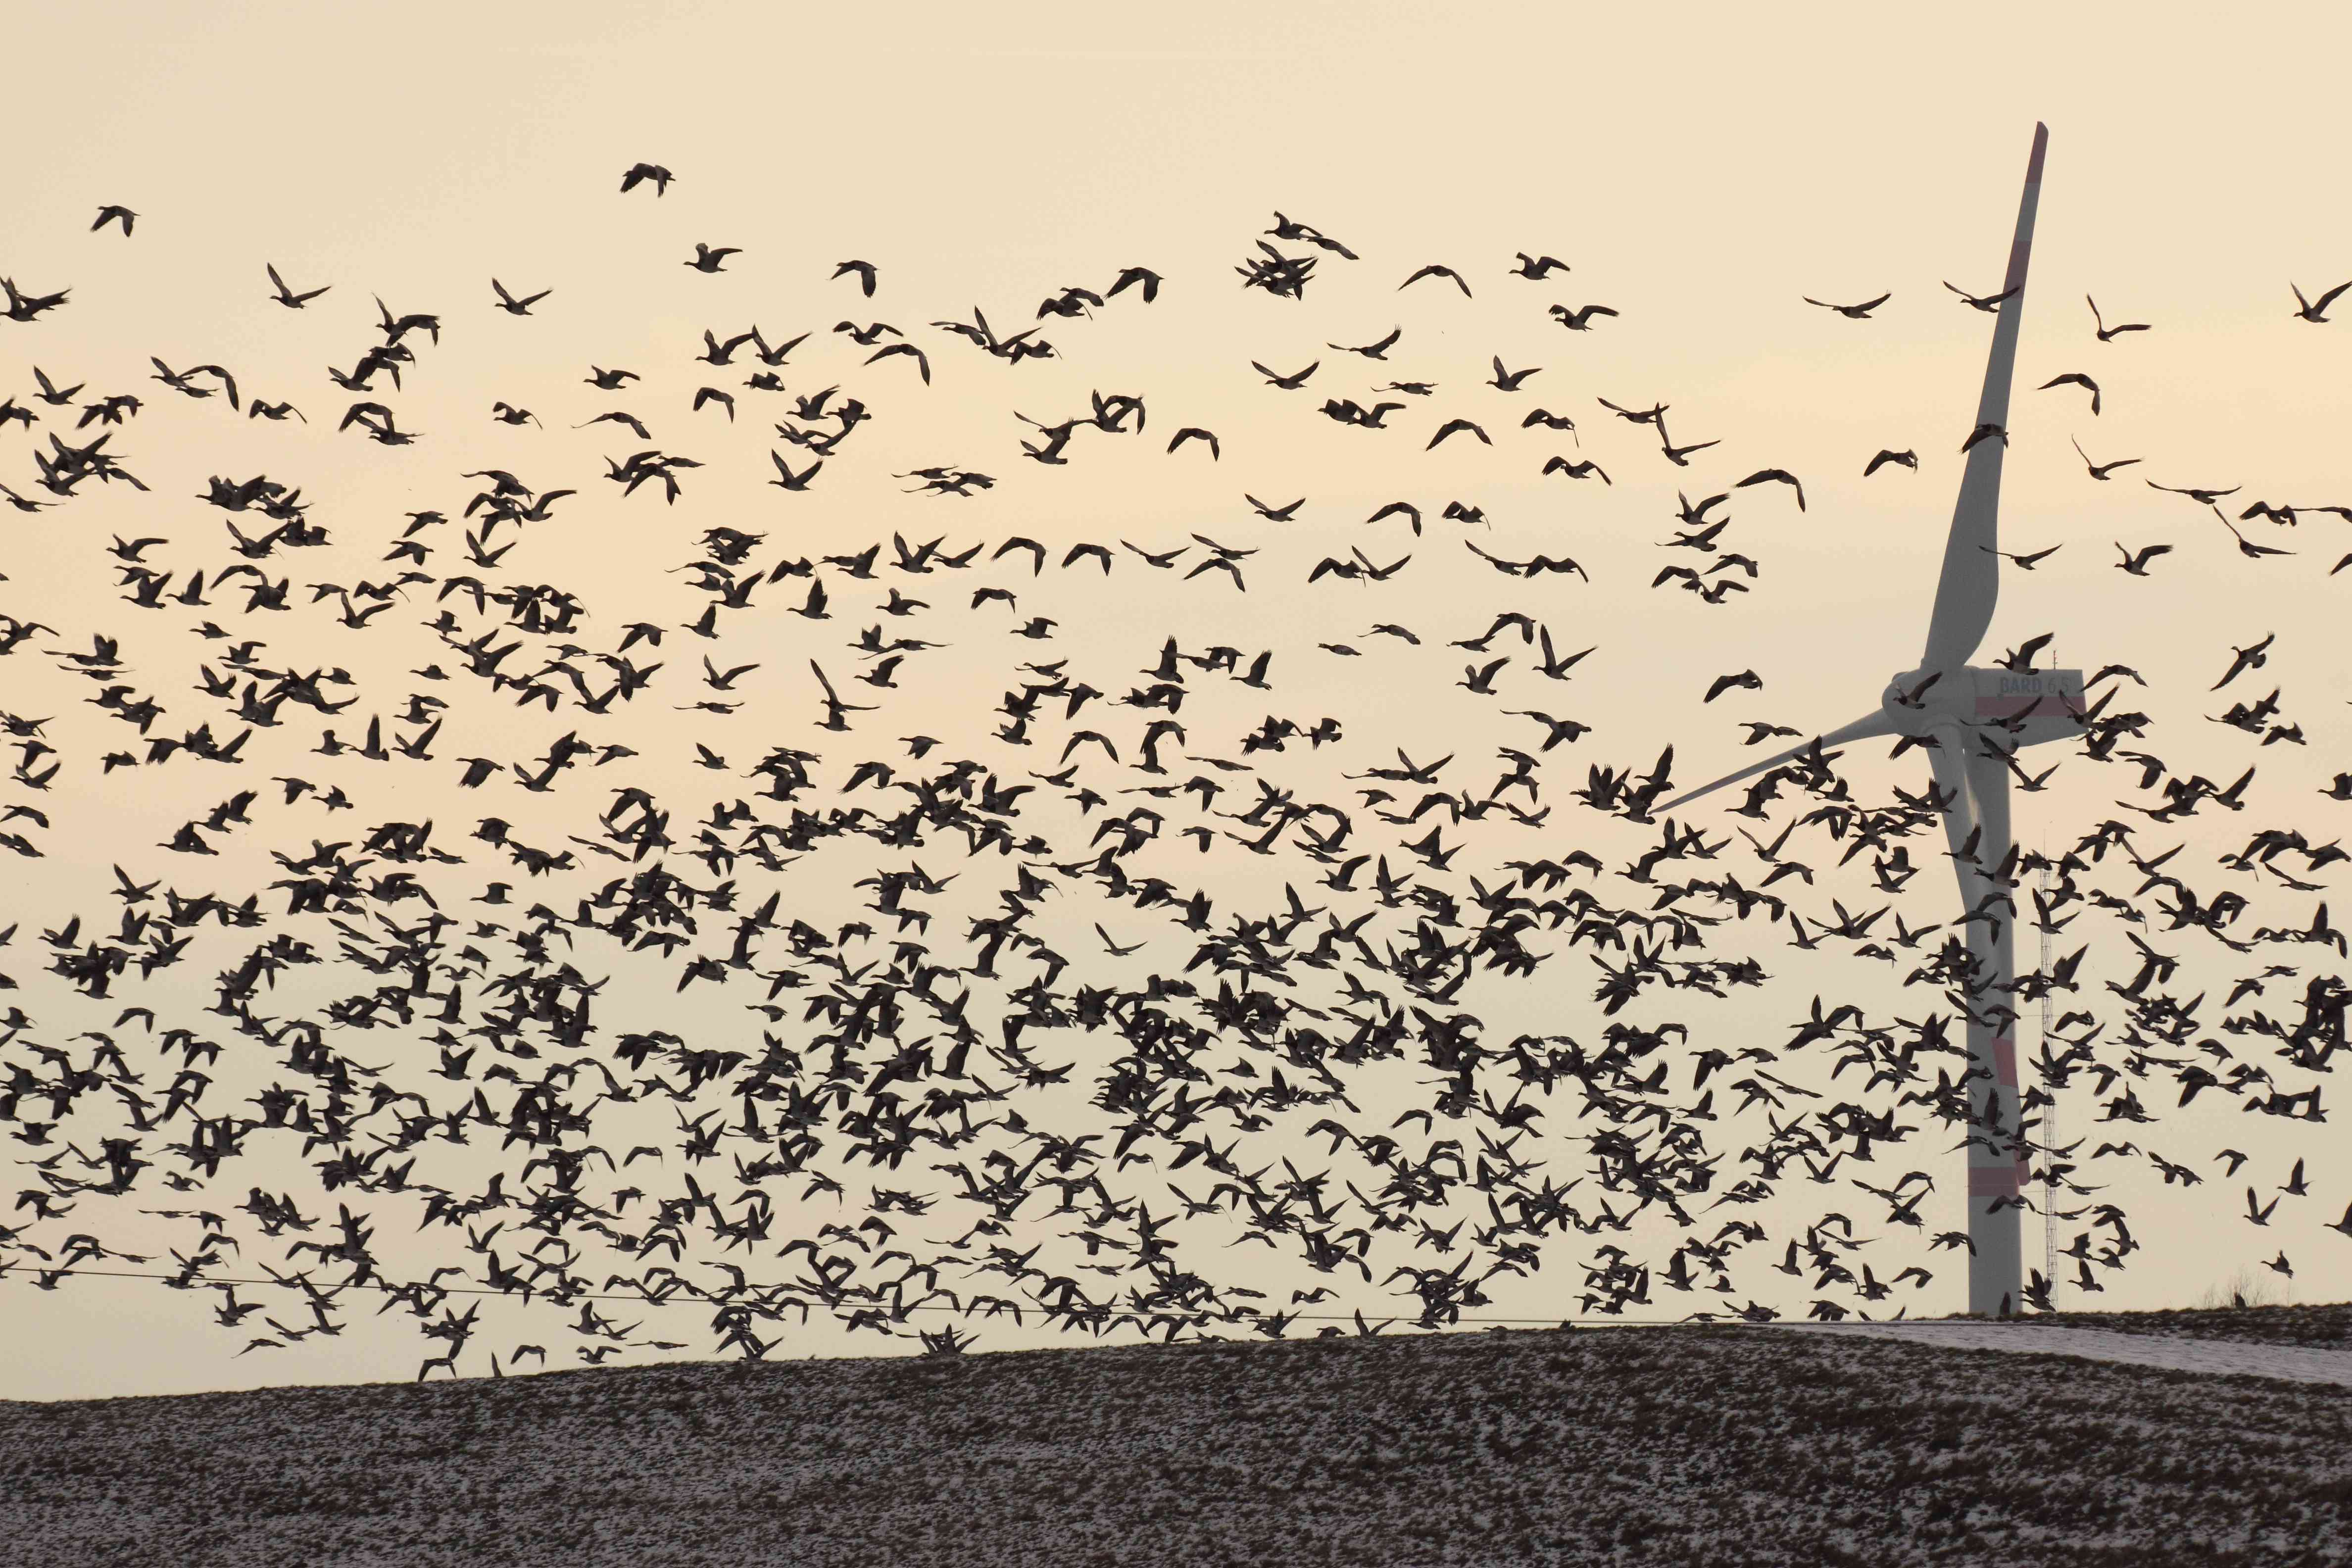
(1971, 722)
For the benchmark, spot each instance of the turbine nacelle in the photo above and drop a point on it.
(2042, 704)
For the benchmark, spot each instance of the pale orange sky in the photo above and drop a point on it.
(1699, 173)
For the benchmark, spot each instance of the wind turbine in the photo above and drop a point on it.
(1971, 721)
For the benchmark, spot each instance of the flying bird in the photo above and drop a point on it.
(638, 173)
(2105, 333)
(2100, 471)
(1579, 321)
(1511, 380)
(512, 306)
(1775, 476)
(1435, 270)
(2316, 311)
(1589, 468)
(2075, 378)
(922, 361)
(1987, 302)
(1454, 427)
(1379, 350)
(1141, 278)
(1854, 312)
(2247, 659)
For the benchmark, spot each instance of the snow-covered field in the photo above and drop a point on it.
(2175, 1352)
(2324, 1326)
(1715, 1446)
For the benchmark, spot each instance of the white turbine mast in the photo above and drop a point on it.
(1971, 722)
(2050, 1132)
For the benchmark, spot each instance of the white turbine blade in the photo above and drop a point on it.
(1862, 729)
(1960, 815)
(1971, 582)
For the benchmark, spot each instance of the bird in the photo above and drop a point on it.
(1906, 459)
(864, 271)
(2105, 333)
(181, 381)
(1579, 321)
(2316, 311)
(2075, 378)
(1775, 476)
(2100, 471)
(1654, 414)
(892, 351)
(1379, 349)
(1854, 312)
(710, 258)
(1141, 278)
(2250, 657)
(641, 173)
(835, 708)
(512, 306)
(1289, 382)
(1745, 680)
(1511, 380)
(1434, 270)
(116, 215)
(1987, 303)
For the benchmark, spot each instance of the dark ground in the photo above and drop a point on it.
(2328, 1327)
(1717, 1446)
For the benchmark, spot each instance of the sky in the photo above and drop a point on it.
(1700, 173)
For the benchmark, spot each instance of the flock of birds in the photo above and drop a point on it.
(986, 1123)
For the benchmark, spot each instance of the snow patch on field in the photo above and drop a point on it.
(2285, 1363)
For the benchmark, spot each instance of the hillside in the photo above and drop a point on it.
(1720, 1447)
